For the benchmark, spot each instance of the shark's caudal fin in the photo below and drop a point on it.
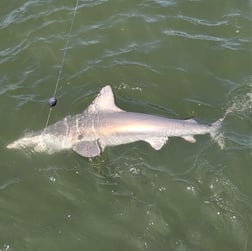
(215, 130)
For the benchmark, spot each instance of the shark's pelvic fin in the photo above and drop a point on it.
(189, 138)
(157, 142)
(87, 149)
(104, 101)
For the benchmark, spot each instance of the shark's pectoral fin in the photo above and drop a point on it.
(189, 138)
(87, 148)
(157, 142)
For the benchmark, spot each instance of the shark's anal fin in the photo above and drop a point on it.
(87, 148)
(157, 142)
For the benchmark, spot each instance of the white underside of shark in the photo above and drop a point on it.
(104, 124)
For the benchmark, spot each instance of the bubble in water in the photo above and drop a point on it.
(241, 100)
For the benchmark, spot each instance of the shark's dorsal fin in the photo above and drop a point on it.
(104, 101)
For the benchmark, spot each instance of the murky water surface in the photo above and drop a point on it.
(174, 58)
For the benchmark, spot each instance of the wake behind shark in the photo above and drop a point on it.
(104, 124)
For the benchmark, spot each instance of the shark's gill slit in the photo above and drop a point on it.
(53, 100)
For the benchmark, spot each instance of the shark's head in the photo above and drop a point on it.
(32, 142)
(40, 143)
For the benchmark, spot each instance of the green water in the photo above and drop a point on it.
(175, 58)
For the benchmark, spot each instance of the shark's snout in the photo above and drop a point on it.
(11, 145)
(27, 141)
(17, 144)
(41, 143)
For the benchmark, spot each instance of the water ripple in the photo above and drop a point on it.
(9, 182)
(229, 44)
(24, 13)
(203, 22)
(9, 53)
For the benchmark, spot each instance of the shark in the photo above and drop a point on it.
(104, 124)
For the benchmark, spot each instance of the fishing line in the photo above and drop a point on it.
(53, 100)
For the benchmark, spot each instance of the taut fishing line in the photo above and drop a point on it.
(53, 100)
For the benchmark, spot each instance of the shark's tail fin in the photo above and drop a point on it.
(215, 130)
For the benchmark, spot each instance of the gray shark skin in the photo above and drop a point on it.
(104, 124)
